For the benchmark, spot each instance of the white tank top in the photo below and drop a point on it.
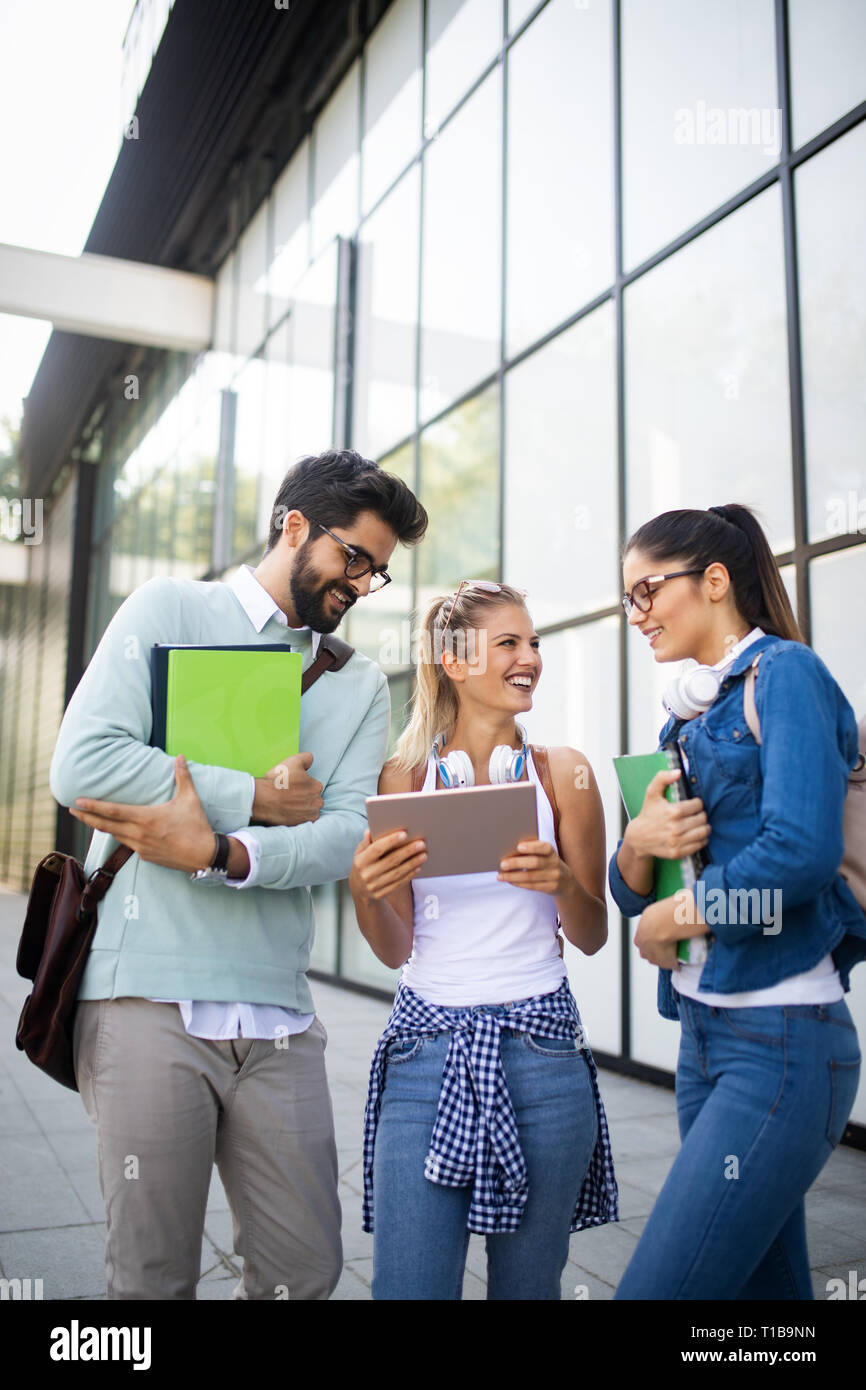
(478, 941)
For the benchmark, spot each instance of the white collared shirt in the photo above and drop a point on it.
(216, 1020)
(259, 608)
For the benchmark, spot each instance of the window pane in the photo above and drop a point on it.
(462, 37)
(299, 410)
(583, 713)
(378, 625)
(335, 158)
(707, 378)
(249, 428)
(323, 955)
(358, 961)
(224, 307)
(828, 62)
(400, 688)
(831, 234)
(460, 489)
(560, 190)
(560, 424)
(252, 289)
(386, 321)
(462, 249)
(700, 112)
(291, 231)
(519, 9)
(392, 99)
(837, 584)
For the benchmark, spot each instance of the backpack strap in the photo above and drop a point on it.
(332, 655)
(541, 759)
(750, 709)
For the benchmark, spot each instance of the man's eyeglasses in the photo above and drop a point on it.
(357, 564)
(641, 595)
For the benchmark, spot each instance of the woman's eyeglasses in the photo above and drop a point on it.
(641, 595)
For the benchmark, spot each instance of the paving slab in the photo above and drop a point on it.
(51, 1212)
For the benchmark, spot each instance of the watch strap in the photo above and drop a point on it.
(220, 859)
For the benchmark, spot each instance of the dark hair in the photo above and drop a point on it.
(334, 487)
(732, 536)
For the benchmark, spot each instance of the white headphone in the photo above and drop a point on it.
(692, 693)
(506, 764)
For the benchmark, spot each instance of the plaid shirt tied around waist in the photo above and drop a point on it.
(475, 1139)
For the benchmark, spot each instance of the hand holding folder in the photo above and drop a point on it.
(634, 773)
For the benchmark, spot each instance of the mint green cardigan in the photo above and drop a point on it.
(158, 933)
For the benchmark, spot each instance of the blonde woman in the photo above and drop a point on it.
(483, 1112)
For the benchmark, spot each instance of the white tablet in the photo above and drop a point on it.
(467, 831)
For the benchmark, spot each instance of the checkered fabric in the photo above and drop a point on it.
(475, 1139)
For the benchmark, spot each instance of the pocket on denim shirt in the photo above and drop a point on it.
(735, 753)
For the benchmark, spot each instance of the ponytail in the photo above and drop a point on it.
(732, 536)
(434, 701)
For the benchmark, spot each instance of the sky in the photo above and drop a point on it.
(61, 125)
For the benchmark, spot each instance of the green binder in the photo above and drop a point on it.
(237, 707)
(634, 772)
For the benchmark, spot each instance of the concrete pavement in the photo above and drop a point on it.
(51, 1212)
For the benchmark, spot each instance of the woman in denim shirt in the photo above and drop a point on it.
(769, 1060)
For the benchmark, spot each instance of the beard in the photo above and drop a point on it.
(310, 594)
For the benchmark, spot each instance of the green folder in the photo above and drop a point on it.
(634, 772)
(237, 707)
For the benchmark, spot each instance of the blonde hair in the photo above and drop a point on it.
(434, 700)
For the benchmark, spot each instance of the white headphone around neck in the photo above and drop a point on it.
(506, 764)
(692, 693)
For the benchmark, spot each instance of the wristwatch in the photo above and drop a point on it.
(218, 869)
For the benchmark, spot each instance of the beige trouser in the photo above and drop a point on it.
(166, 1105)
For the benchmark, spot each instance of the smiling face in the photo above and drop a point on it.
(679, 621)
(508, 664)
(320, 590)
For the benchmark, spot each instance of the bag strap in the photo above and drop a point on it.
(101, 879)
(750, 709)
(541, 759)
(332, 655)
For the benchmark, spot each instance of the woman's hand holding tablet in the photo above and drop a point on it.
(384, 864)
(535, 864)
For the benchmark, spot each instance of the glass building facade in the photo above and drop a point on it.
(561, 266)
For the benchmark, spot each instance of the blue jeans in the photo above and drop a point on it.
(420, 1233)
(763, 1097)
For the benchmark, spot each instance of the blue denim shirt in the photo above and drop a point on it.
(775, 812)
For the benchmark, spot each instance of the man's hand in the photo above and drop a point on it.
(286, 795)
(176, 834)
